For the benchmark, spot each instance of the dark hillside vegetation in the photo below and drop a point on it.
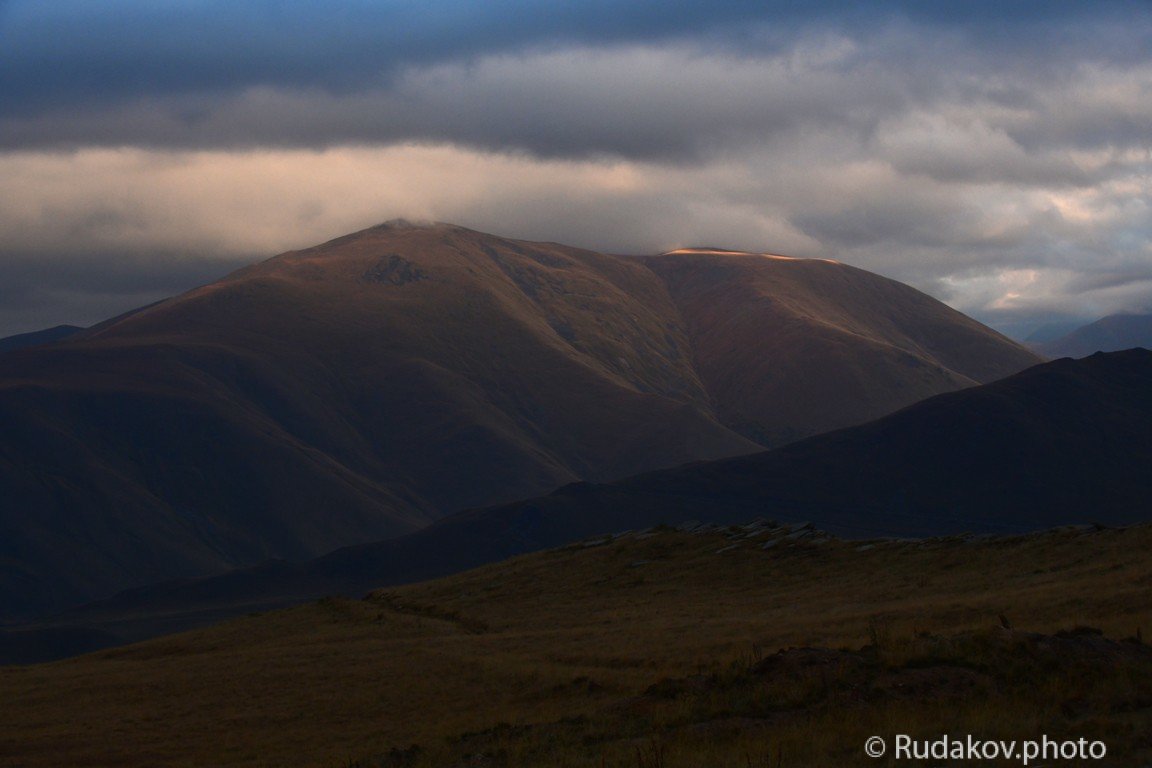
(771, 644)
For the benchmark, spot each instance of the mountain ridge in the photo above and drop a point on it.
(367, 386)
(36, 338)
(1063, 443)
(1108, 334)
(829, 343)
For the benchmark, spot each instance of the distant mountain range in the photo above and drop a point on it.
(1063, 443)
(1109, 334)
(36, 338)
(369, 386)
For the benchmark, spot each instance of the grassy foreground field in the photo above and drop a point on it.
(648, 650)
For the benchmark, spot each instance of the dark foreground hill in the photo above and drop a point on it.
(1067, 442)
(752, 645)
(1108, 334)
(366, 387)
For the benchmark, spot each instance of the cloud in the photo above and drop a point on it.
(569, 78)
(632, 102)
(218, 202)
(71, 52)
(958, 147)
(95, 217)
(926, 107)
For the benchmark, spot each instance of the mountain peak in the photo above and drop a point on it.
(1108, 334)
(707, 250)
(362, 388)
(405, 224)
(712, 251)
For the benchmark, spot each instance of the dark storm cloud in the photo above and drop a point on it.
(676, 102)
(994, 154)
(572, 103)
(73, 51)
(199, 74)
(1125, 275)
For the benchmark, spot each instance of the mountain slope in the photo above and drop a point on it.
(35, 338)
(366, 387)
(1108, 334)
(1067, 442)
(344, 393)
(1063, 442)
(789, 348)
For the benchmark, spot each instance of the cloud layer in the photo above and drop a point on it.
(999, 161)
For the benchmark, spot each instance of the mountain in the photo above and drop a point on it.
(36, 338)
(1108, 334)
(1050, 332)
(789, 348)
(1063, 443)
(364, 388)
(343, 393)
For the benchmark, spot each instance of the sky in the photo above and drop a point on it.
(997, 155)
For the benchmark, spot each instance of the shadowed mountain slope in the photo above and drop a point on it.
(366, 387)
(36, 338)
(789, 348)
(1108, 334)
(343, 393)
(1067, 442)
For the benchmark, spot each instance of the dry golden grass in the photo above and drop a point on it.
(545, 659)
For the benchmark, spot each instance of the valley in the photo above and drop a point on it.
(601, 652)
